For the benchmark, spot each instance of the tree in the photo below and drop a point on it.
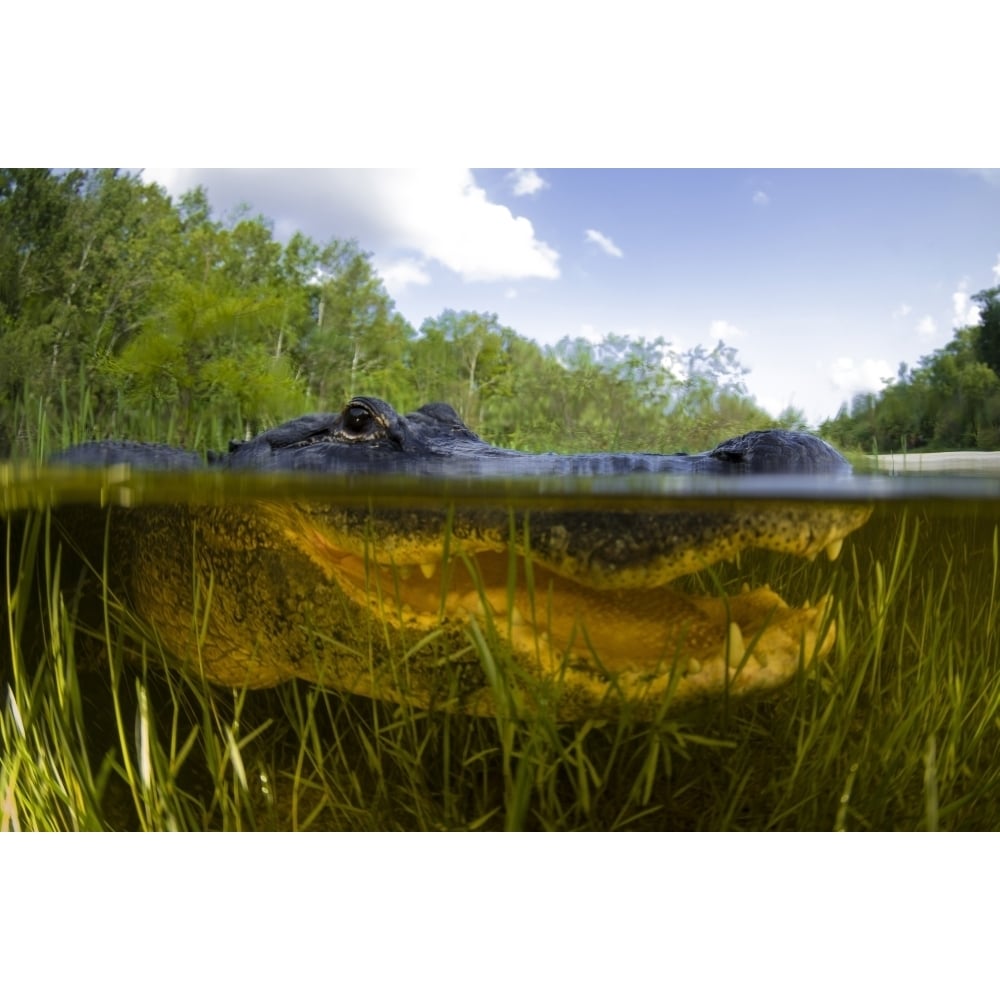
(212, 346)
(356, 340)
(463, 358)
(209, 357)
(951, 399)
(639, 395)
(79, 253)
(987, 338)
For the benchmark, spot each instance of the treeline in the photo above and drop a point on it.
(127, 314)
(949, 401)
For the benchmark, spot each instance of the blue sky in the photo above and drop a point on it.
(824, 280)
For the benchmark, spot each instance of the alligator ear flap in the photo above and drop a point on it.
(727, 455)
(443, 413)
(442, 421)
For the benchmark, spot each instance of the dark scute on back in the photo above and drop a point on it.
(159, 457)
(776, 452)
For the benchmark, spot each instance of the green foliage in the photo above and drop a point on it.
(626, 395)
(987, 338)
(463, 358)
(214, 352)
(80, 256)
(355, 341)
(951, 400)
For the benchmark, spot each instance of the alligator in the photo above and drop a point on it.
(465, 605)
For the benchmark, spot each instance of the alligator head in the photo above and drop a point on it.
(473, 606)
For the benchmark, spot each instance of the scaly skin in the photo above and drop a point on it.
(472, 609)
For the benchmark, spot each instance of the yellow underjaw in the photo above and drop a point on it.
(647, 638)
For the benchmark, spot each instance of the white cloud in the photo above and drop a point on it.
(526, 181)
(926, 328)
(607, 245)
(722, 329)
(439, 215)
(511, 293)
(175, 180)
(963, 312)
(761, 198)
(398, 275)
(850, 376)
(989, 174)
(902, 311)
(447, 217)
(996, 268)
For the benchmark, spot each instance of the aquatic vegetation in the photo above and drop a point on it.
(896, 729)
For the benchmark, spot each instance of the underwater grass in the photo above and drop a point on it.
(896, 730)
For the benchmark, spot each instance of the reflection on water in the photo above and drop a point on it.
(965, 463)
(26, 487)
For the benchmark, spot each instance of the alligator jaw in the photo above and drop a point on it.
(587, 647)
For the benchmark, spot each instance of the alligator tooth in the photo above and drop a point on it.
(693, 667)
(833, 549)
(744, 587)
(428, 569)
(735, 649)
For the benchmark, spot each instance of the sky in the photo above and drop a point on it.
(824, 280)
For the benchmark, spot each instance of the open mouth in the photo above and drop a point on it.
(632, 632)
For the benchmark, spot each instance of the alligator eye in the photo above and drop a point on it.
(357, 419)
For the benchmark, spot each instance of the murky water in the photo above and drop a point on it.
(896, 726)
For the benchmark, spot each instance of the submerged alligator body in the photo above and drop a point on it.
(464, 606)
